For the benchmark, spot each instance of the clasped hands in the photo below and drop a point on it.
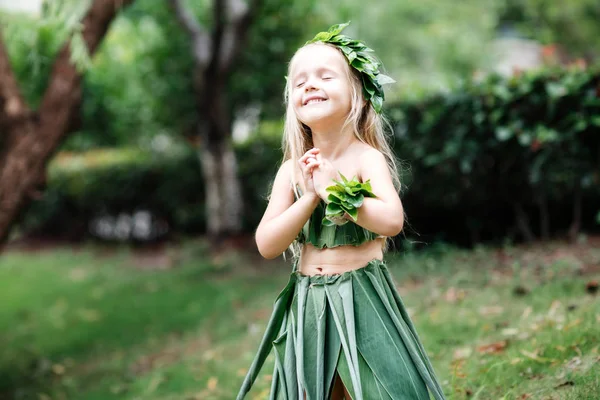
(317, 172)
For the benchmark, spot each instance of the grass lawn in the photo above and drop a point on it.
(95, 324)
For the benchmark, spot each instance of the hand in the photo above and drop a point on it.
(308, 162)
(323, 176)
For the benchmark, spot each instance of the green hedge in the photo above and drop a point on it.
(83, 186)
(524, 145)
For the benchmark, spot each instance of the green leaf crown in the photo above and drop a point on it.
(358, 55)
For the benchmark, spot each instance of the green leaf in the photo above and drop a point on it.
(333, 209)
(377, 102)
(338, 28)
(326, 222)
(358, 200)
(384, 79)
(338, 197)
(353, 214)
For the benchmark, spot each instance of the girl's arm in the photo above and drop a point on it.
(283, 218)
(384, 214)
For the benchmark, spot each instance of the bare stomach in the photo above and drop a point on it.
(337, 260)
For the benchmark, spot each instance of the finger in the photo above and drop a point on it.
(306, 155)
(307, 169)
(313, 164)
(312, 152)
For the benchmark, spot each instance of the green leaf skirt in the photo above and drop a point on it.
(354, 324)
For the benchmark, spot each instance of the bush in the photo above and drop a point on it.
(82, 187)
(498, 155)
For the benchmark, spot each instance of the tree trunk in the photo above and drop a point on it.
(30, 138)
(542, 203)
(214, 52)
(224, 204)
(523, 223)
(223, 193)
(576, 223)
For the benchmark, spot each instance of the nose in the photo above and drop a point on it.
(310, 85)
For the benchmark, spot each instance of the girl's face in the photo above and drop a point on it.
(320, 88)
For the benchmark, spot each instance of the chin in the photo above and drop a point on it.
(315, 116)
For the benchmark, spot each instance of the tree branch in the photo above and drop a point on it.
(240, 16)
(199, 35)
(65, 79)
(12, 104)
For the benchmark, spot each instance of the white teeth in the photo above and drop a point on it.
(314, 101)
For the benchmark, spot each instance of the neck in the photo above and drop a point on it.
(332, 141)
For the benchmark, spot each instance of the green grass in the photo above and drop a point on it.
(94, 324)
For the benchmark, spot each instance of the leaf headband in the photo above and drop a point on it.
(357, 54)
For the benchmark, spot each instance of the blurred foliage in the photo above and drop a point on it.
(33, 43)
(139, 83)
(165, 179)
(474, 154)
(477, 152)
(473, 150)
(572, 24)
(424, 44)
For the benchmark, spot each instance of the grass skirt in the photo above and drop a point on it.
(354, 323)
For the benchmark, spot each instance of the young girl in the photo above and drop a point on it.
(339, 328)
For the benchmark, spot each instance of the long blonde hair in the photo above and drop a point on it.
(368, 126)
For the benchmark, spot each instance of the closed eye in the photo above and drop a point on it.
(299, 85)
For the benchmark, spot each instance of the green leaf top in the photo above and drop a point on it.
(357, 54)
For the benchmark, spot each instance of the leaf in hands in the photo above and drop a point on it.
(327, 222)
(335, 189)
(353, 214)
(333, 209)
(357, 200)
(337, 197)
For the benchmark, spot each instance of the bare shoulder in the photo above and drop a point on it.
(285, 172)
(369, 155)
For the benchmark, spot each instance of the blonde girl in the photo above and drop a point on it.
(339, 328)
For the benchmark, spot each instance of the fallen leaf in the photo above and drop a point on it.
(453, 295)
(510, 331)
(212, 383)
(490, 310)
(493, 348)
(58, 369)
(462, 353)
(526, 312)
(520, 290)
(572, 324)
(591, 287)
(534, 356)
(564, 384)
(554, 308)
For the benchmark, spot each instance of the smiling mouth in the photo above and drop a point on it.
(312, 101)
